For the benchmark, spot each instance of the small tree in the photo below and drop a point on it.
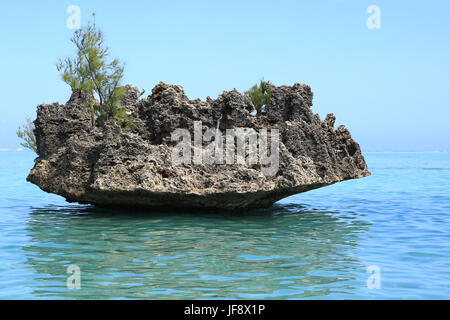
(90, 71)
(260, 95)
(26, 133)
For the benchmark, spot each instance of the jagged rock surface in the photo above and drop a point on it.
(109, 167)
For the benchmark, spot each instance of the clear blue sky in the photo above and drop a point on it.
(390, 87)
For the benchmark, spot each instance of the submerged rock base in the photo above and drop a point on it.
(110, 167)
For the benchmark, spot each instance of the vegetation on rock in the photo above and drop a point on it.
(260, 95)
(26, 133)
(91, 71)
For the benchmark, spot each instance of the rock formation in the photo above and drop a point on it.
(123, 169)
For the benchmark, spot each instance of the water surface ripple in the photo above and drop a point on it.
(315, 245)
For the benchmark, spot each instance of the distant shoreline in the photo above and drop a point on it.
(17, 149)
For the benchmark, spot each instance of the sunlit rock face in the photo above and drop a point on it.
(137, 168)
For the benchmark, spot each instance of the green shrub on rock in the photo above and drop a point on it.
(26, 133)
(90, 71)
(260, 95)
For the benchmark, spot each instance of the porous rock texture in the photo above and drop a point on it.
(133, 169)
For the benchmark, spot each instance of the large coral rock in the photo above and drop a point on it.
(110, 167)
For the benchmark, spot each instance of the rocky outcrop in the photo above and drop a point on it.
(110, 167)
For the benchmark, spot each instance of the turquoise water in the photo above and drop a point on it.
(316, 245)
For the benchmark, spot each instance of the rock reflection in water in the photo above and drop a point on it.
(288, 251)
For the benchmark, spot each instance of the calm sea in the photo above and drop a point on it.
(382, 237)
